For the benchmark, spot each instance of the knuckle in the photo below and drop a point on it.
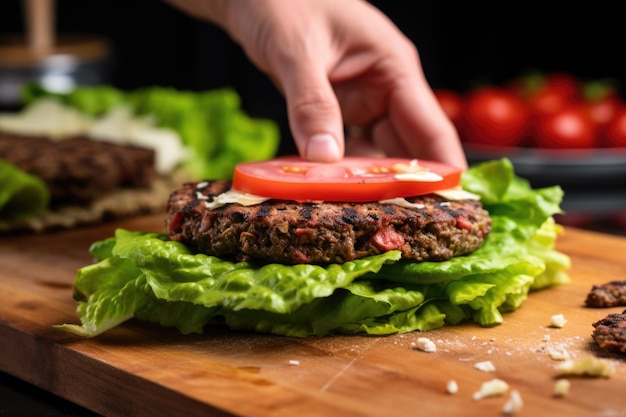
(312, 102)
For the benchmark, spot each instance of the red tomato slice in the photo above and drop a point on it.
(353, 179)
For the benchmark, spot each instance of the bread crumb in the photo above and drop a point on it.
(486, 366)
(491, 388)
(557, 320)
(426, 345)
(561, 387)
(590, 366)
(452, 387)
(558, 354)
(514, 404)
(294, 362)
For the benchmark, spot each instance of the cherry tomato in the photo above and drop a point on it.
(548, 93)
(451, 103)
(570, 127)
(603, 101)
(353, 179)
(615, 131)
(548, 101)
(566, 84)
(603, 110)
(495, 116)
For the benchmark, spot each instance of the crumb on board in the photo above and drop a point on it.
(514, 404)
(589, 366)
(452, 387)
(491, 388)
(558, 354)
(426, 345)
(485, 366)
(294, 362)
(561, 387)
(558, 321)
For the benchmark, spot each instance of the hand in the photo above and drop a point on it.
(340, 62)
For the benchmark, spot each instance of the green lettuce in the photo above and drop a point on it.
(144, 276)
(211, 123)
(21, 195)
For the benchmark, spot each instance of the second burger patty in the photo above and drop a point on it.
(289, 232)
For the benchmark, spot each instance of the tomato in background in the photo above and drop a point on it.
(566, 84)
(570, 128)
(603, 110)
(452, 104)
(495, 116)
(548, 101)
(602, 100)
(615, 133)
(548, 93)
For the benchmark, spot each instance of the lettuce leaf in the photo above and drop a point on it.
(145, 276)
(211, 123)
(21, 195)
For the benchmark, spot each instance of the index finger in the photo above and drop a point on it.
(422, 125)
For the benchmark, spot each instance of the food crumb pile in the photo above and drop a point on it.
(552, 346)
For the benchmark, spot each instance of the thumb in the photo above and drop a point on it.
(314, 114)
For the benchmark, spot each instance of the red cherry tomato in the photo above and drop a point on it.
(570, 128)
(548, 101)
(528, 85)
(548, 93)
(495, 116)
(566, 84)
(353, 179)
(603, 110)
(451, 103)
(603, 101)
(615, 131)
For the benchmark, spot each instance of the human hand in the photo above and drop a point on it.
(340, 63)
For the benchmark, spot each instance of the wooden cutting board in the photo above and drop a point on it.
(141, 369)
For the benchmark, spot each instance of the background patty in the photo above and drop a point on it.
(292, 233)
(79, 170)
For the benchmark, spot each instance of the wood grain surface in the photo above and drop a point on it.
(141, 369)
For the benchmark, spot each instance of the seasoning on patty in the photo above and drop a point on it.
(429, 228)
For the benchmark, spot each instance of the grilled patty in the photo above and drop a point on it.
(319, 233)
(79, 170)
(610, 294)
(610, 333)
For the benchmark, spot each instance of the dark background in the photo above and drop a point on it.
(461, 45)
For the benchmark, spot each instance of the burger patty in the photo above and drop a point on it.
(79, 170)
(610, 294)
(289, 232)
(610, 333)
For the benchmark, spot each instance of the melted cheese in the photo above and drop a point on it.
(457, 193)
(245, 199)
(402, 202)
(232, 196)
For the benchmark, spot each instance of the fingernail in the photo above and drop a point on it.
(323, 148)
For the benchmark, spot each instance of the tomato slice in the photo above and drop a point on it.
(354, 179)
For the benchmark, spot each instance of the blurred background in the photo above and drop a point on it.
(132, 44)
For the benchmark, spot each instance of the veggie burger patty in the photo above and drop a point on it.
(288, 232)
